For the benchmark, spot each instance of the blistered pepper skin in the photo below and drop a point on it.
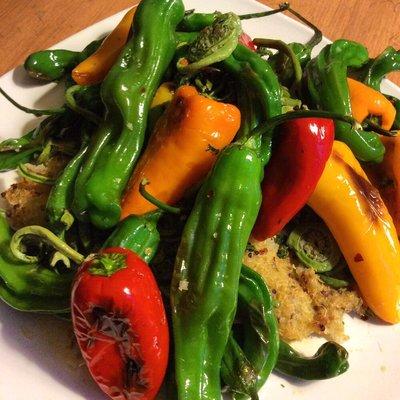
(121, 327)
(357, 217)
(386, 177)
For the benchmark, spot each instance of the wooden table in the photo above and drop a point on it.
(31, 25)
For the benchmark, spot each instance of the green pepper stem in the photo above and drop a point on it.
(378, 129)
(37, 113)
(48, 237)
(282, 46)
(72, 104)
(282, 7)
(271, 123)
(158, 203)
(317, 37)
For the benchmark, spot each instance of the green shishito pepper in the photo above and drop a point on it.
(326, 77)
(207, 270)
(53, 65)
(260, 348)
(245, 368)
(30, 287)
(377, 68)
(126, 92)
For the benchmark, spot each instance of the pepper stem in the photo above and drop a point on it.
(282, 46)
(72, 104)
(317, 37)
(46, 235)
(270, 123)
(37, 113)
(378, 129)
(158, 203)
(282, 7)
(107, 264)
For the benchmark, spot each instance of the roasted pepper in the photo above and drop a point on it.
(53, 65)
(326, 77)
(369, 241)
(366, 101)
(386, 178)
(377, 68)
(127, 93)
(303, 150)
(94, 69)
(190, 134)
(120, 324)
(207, 270)
(246, 368)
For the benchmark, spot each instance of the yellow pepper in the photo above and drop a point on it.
(366, 101)
(94, 69)
(386, 177)
(164, 94)
(360, 222)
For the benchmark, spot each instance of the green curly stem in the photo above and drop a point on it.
(317, 37)
(158, 203)
(282, 46)
(72, 104)
(37, 113)
(282, 7)
(47, 236)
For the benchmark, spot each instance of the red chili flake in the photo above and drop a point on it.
(358, 257)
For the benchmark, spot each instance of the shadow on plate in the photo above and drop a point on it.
(48, 342)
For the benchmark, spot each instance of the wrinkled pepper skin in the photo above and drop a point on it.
(293, 172)
(138, 234)
(127, 93)
(94, 69)
(53, 65)
(190, 135)
(360, 222)
(207, 270)
(326, 77)
(120, 324)
(366, 101)
(30, 287)
(328, 362)
(59, 200)
(386, 178)
(258, 354)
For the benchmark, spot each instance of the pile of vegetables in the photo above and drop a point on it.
(184, 138)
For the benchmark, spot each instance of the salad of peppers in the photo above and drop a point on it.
(181, 143)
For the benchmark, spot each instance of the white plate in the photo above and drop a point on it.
(37, 357)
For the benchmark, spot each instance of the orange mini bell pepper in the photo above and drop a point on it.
(94, 69)
(182, 149)
(366, 101)
(363, 228)
(386, 177)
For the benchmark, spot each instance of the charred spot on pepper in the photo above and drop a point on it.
(373, 204)
(212, 149)
(132, 379)
(358, 258)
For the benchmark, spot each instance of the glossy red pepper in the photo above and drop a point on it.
(293, 172)
(245, 40)
(120, 324)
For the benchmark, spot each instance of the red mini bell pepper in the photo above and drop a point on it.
(293, 172)
(120, 324)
